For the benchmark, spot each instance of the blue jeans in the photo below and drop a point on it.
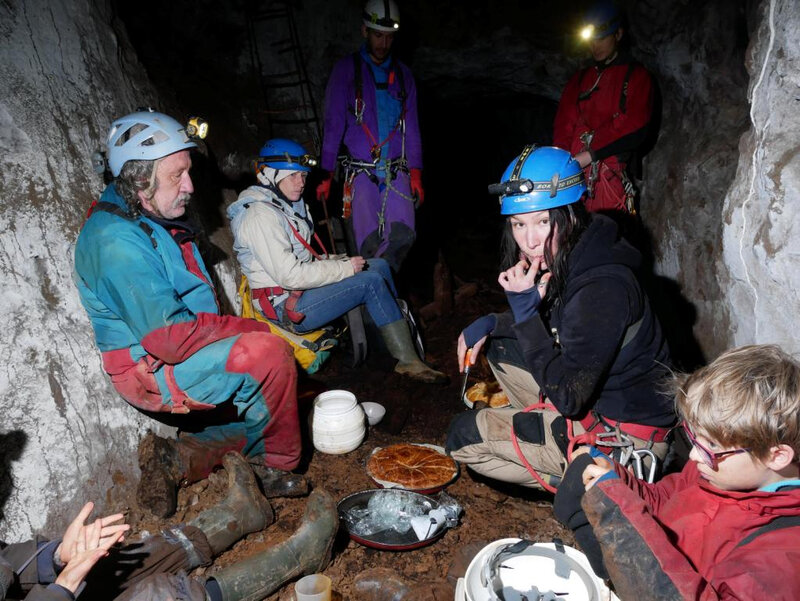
(373, 287)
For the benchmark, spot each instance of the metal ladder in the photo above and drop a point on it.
(280, 67)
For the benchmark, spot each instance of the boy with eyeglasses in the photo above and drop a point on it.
(728, 525)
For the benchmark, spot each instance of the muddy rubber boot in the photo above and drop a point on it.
(162, 472)
(305, 552)
(242, 511)
(278, 483)
(398, 342)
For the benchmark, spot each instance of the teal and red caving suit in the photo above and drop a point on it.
(167, 348)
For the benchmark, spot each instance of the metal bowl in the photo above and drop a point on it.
(387, 540)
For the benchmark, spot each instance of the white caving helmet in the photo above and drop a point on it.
(145, 136)
(381, 15)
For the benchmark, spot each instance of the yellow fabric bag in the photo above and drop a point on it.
(311, 349)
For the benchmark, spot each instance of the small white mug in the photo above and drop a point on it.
(314, 587)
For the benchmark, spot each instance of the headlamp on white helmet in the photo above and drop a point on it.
(145, 136)
(381, 15)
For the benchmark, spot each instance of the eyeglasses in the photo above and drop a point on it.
(710, 458)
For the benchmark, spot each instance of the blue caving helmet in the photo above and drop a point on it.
(144, 136)
(540, 178)
(600, 20)
(280, 153)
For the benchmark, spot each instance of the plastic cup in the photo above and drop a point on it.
(315, 587)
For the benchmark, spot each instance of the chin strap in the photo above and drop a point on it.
(263, 179)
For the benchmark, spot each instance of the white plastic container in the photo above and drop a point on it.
(338, 425)
(314, 587)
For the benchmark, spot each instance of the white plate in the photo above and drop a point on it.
(438, 449)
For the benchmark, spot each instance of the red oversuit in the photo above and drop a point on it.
(605, 109)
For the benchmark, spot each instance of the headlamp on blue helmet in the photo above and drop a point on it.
(540, 178)
(283, 154)
(600, 20)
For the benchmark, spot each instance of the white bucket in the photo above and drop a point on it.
(531, 571)
(338, 425)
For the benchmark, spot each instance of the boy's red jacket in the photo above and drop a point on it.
(683, 539)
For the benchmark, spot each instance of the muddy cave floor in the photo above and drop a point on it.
(415, 413)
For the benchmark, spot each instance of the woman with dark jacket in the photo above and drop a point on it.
(580, 351)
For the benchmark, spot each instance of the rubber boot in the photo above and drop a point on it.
(277, 483)
(244, 509)
(398, 342)
(307, 551)
(162, 471)
(167, 463)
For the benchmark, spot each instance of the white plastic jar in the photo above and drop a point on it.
(338, 425)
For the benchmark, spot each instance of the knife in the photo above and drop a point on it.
(467, 358)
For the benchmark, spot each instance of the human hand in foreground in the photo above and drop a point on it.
(602, 469)
(523, 292)
(357, 263)
(522, 277)
(82, 545)
(473, 337)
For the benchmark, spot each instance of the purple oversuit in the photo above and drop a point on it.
(368, 188)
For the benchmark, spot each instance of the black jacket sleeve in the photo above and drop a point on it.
(591, 329)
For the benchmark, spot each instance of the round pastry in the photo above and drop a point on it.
(411, 466)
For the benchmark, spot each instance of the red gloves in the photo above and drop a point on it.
(324, 188)
(416, 185)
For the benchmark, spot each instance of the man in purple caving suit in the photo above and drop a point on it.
(371, 107)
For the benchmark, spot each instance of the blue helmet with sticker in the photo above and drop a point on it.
(144, 136)
(540, 178)
(283, 154)
(601, 19)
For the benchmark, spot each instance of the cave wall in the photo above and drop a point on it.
(720, 195)
(66, 436)
(761, 236)
(698, 62)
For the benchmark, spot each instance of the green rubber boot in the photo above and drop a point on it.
(400, 346)
(307, 551)
(244, 509)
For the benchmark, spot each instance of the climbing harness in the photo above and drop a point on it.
(359, 104)
(266, 295)
(616, 436)
(600, 175)
(310, 349)
(599, 172)
(612, 437)
(353, 166)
